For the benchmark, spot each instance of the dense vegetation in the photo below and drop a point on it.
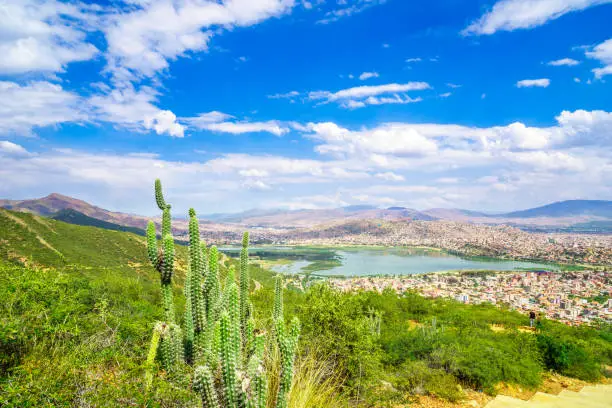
(79, 305)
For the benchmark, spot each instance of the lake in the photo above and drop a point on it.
(373, 261)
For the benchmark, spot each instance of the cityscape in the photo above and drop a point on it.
(574, 298)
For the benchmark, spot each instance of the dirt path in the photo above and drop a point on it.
(26, 226)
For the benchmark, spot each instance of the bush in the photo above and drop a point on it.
(416, 377)
(336, 327)
(568, 358)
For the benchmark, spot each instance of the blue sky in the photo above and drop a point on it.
(245, 104)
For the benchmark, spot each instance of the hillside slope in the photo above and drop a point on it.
(569, 208)
(75, 217)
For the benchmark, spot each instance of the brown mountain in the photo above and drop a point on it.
(55, 202)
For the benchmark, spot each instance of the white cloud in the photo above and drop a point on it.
(43, 36)
(416, 59)
(510, 166)
(272, 126)
(603, 53)
(164, 121)
(141, 42)
(368, 75)
(568, 62)
(348, 8)
(445, 94)
(12, 149)
(361, 96)
(454, 86)
(390, 176)
(530, 83)
(287, 95)
(510, 15)
(219, 122)
(134, 109)
(37, 104)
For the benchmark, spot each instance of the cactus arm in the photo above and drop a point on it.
(152, 354)
(204, 384)
(152, 244)
(159, 195)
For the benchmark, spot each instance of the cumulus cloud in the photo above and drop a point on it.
(603, 53)
(142, 42)
(37, 104)
(12, 149)
(568, 62)
(164, 121)
(134, 109)
(43, 36)
(530, 83)
(510, 15)
(500, 165)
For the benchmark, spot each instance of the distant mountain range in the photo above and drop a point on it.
(578, 215)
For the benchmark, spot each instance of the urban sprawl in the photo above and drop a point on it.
(571, 297)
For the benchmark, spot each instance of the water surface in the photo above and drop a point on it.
(375, 261)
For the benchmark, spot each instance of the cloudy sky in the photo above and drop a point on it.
(241, 104)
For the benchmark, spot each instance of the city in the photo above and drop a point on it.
(572, 297)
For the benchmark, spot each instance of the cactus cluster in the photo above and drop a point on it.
(219, 339)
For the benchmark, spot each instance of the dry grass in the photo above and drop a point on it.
(315, 385)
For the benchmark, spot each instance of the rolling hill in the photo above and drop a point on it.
(51, 204)
(78, 218)
(569, 208)
(565, 216)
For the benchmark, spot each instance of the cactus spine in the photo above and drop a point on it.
(219, 336)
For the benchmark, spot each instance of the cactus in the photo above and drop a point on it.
(188, 318)
(159, 196)
(287, 344)
(204, 384)
(228, 361)
(219, 336)
(152, 354)
(277, 312)
(244, 282)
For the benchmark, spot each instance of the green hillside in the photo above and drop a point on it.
(74, 217)
(79, 304)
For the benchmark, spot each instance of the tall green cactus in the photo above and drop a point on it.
(219, 337)
(277, 311)
(204, 384)
(228, 361)
(196, 299)
(244, 282)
